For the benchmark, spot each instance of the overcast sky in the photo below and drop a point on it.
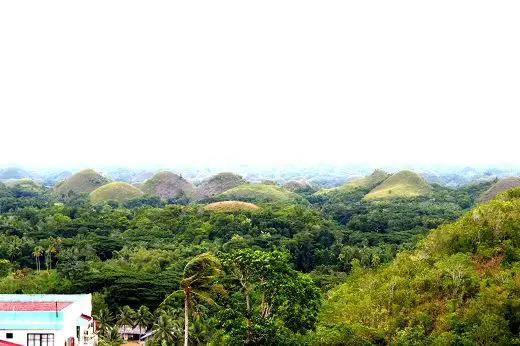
(160, 82)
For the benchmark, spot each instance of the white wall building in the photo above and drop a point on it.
(46, 320)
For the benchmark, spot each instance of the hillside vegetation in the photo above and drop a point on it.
(363, 183)
(219, 183)
(260, 193)
(268, 257)
(460, 286)
(84, 181)
(298, 186)
(400, 184)
(167, 185)
(54, 178)
(370, 181)
(115, 191)
(25, 184)
(500, 186)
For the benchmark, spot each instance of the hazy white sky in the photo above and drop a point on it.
(139, 82)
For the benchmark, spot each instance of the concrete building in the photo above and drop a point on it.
(46, 320)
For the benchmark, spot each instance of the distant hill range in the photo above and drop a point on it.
(382, 185)
(14, 173)
(268, 186)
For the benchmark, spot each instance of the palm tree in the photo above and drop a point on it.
(52, 250)
(198, 332)
(166, 330)
(37, 254)
(104, 318)
(111, 337)
(143, 318)
(125, 317)
(198, 284)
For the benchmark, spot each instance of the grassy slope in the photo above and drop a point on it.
(368, 182)
(298, 186)
(231, 206)
(167, 185)
(219, 183)
(24, 184)
(400, 184)
(499, 187)
(84, 181)
(117, 191)
(261, 193)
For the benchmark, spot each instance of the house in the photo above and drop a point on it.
(46, 320)
(129, 333)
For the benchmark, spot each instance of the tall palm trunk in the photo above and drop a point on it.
(248, 316)
(186, 316)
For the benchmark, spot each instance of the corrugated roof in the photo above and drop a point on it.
(33, 306)
(131, 330)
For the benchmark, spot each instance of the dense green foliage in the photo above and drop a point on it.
(276, 261)
(460, 286)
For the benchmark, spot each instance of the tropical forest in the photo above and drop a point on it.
(389, 258)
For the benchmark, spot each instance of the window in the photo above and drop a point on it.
(40, 339)
(8, 335)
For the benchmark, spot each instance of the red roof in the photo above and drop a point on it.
(86, 317)
(33, 306)
(7, 343)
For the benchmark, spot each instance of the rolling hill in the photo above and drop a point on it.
(370, 181)
(219, 183)
(54, 178)
(167, 185)
(500, 186)
(367, 183)
(231, 206)
(13, 173)
(117, 191)
(298, 186)
(460, 286)
(26, 184)
(400, 184)
(84, 181)
(260, 193)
